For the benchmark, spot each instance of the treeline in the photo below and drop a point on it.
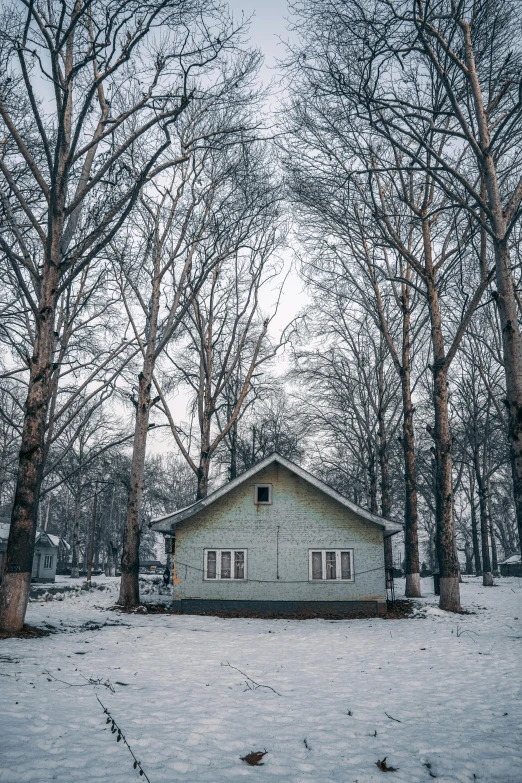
(146, 205)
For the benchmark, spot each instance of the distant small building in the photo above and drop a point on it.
(45, 554)
(512, 566)
(151, 567)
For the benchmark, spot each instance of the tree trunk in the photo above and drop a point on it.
(468, 552)
(130, 564)
(474, 533)
(75, 569)
(505, 295)
(512, 351)
(202, 476)
(411, 536)
(494, 557)
(233, 451)
(372, 476)
(446, 549)
(487, 576)
(14, 590)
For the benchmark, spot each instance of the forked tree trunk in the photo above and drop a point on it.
(14, 590)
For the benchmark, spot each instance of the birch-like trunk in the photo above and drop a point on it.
(512, 351)
(505, 296)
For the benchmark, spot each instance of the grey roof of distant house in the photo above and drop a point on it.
(167, 523)
(54, 540)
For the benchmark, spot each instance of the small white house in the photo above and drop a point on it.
(278, 541)
(45, 554)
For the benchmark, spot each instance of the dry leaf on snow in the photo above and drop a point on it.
(254, 758)
(383, 766)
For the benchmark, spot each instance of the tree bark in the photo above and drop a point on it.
(474, 534)
(494, 557)
(14, 590)
(505, 296)
(487, 576)
(411, 536)
(130, 563)
(202, 476)
(446, 549)
(75, 569)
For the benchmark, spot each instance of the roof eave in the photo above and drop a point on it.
(169, 522)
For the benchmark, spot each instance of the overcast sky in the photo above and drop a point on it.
(267, 31)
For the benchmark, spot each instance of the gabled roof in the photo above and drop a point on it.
(42, 537)
(167, 523)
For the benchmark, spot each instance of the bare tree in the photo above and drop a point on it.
(118, 74)
(355, 146)
(168, 256)
(441, 81)
(227, 346)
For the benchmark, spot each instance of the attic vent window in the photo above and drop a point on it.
(263, 494)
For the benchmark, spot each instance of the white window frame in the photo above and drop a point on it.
(48, 562)
(219, 578)
(337, 565)
(263, 502)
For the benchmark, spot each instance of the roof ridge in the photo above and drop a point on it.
(188, 511)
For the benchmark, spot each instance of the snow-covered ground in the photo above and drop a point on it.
(439, 696)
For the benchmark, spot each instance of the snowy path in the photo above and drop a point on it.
(452, 683)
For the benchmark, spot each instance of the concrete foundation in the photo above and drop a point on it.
(326, 609)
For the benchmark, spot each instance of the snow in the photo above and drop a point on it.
(438, 695)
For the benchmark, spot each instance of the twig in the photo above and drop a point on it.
(115, 728)
(256, 684)
(70, 684)
(390, 717)
(88, 681)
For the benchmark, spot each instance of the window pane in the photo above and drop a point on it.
(226, 564)
(239, 565)
(330, 565)
(346, 571)
(263, 494)
(211, 565)
(317, 565)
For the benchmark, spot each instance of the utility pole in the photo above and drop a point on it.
(91, 536)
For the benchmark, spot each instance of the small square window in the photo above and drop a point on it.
(263, 494)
